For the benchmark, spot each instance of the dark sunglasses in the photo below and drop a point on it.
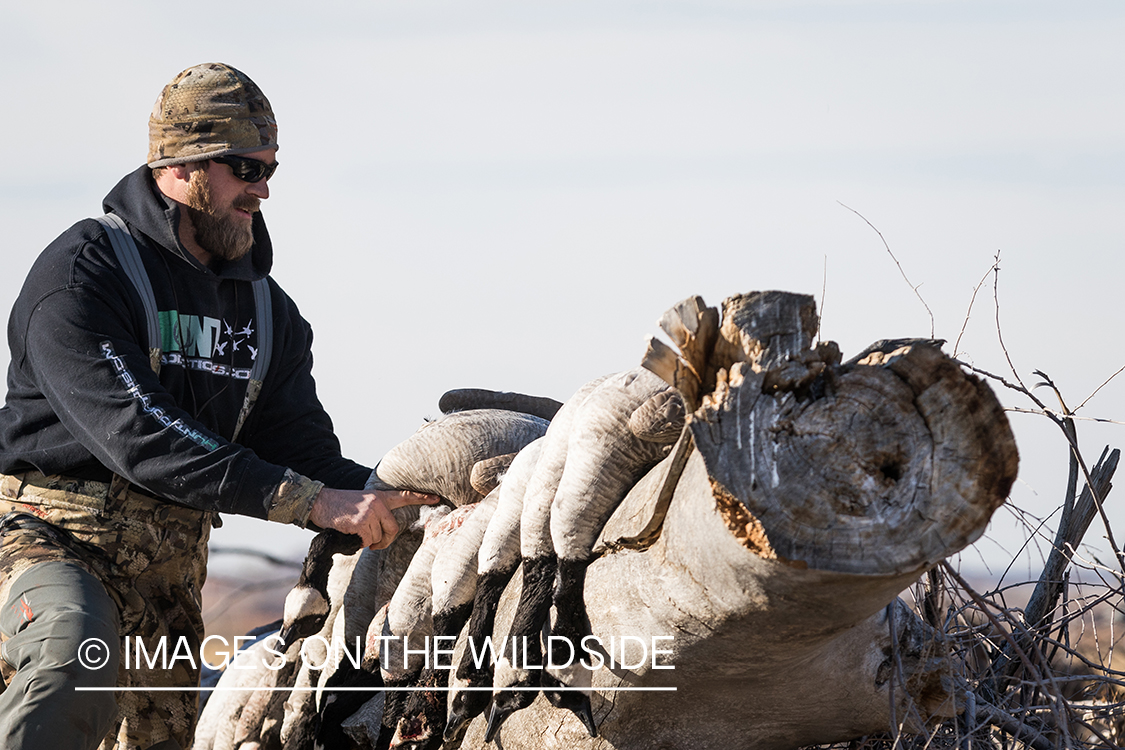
(247, 170)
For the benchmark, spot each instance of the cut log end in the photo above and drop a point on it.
(872, 476)
(884, 465)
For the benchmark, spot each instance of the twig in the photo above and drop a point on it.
(823, 294)
(1061, 422)
(898, 665)
(915, 288)
(1103, 385)
(999, 334)
(1035, 535)
(1013, 726)
(1101, 510)
(1072, 528)
(1067, 528)
(983, 606)
(995, 266)
(1050, 413)
(1021, 388)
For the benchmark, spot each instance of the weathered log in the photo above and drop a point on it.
(815, 492)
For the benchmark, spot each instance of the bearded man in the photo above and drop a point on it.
(158, 377)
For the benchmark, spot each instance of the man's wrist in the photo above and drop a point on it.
(293, 499)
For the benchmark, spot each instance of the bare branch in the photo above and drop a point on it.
(999, 334)
(1103, 385)
(888, 247)
(994, 267)
(823, 294)
(1021, 388)
(1072, 528)
(1013, 726)
(1055, 415)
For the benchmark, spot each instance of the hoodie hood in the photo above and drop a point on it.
(138, 201)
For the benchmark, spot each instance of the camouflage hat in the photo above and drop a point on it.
(206, 111)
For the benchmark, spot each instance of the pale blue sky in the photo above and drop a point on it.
(509, 194)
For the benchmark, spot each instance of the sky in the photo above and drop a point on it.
(508, 195)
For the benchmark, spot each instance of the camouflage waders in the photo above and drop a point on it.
(151, 557)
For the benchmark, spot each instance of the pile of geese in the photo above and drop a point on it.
(528, 484)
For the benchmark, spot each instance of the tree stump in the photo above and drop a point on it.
(768, 550)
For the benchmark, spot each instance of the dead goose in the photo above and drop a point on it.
(538, 567)
(307, 604)
(464, 399)
(453, 582)
(624, 428)
(457, 457)
(407, 620)
(440, 457)
(298, 726)
(497, 560)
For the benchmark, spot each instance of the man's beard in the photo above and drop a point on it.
(219, 234)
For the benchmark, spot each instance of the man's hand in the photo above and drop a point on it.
(367, 513)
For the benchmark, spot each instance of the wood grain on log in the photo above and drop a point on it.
(883, 468)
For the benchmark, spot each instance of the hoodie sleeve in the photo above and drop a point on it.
(82, 354)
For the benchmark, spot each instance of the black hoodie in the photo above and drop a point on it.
(83, 399)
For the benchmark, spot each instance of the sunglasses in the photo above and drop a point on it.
(247, 170)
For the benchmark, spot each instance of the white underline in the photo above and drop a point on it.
(366, 689)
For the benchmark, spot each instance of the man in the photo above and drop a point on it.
(117, 451)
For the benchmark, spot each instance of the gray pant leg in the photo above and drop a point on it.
(53, 609)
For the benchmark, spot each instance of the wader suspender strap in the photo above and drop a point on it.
(263, 309)
(130, 259)
(125, 248)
